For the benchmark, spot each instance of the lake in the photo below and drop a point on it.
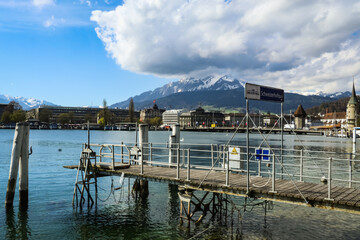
(119, 216)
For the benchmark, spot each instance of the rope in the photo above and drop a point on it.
(212, 167)
(267, 143)
(258, 186)
(111, 191)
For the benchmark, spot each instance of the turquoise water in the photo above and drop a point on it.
(51, 216)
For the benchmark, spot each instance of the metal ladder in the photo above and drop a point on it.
(86, 173)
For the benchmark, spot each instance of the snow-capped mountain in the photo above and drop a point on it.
(25, 103)
(336, 95)
(189, 84)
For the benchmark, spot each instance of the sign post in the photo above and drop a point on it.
(262, 93)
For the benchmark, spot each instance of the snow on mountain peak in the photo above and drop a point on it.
(25, 103)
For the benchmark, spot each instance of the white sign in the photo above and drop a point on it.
(252, 91)
(234, 157)
(234, 153)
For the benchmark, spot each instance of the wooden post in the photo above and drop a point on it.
(14, 164)
(24, 168)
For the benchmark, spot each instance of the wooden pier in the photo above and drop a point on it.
(297, 176)
(303, 193)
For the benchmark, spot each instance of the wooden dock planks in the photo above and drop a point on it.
(261, 187)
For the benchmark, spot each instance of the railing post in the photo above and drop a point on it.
(177, 163)
(227, 170)
(122, 152)
(129, 156)
(212, 155)
(142, 160)
(113, 158)
(350, 170)
(301, 165)
(329, 180)
(259, 167)
(223, 154)
(100, 154)
(273, 174)
(183, 157)
(188, 165)
(150, 153)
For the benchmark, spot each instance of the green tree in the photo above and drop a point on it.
(6, 117)
(71, 116)
(102, 122)
(155, 121)
(45, 115)
(106, 114)
(63, 118)
(18, 116)
(131, 110)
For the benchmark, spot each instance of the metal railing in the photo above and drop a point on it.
(337, 169)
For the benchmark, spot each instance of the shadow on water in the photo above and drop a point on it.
(17, 228)
(129, 220)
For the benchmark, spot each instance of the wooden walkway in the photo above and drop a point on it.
(343, 198)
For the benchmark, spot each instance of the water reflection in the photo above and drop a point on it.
(17, 228)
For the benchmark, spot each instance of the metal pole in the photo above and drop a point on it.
(273, 173)
(350, 170)
(247, 149)
(150, 153)
(212, 155)
(142, 160)
(183, 158)
(354, 140)
(227, 170)
(177, 163)
(188, 166)
(122, 152)
(113, 158)
(88, 132)
(301, 165)
(329, 180)
(282, 138)
(100, 154)
(223, 155)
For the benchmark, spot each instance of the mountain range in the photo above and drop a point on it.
(219, 92)
(25, 103)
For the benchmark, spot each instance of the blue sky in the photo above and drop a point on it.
(65, 63)
(79, 52)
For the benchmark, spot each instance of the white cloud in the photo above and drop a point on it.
(88, 2)
(310, 42)
(52, 21)
(42, 3)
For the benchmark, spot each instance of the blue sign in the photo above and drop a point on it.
(263, 93)
(262, 154)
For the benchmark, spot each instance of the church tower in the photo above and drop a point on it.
(351, 114)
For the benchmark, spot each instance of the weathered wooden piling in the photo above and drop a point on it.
(19, 155)
(143, 186)
(24, 168)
